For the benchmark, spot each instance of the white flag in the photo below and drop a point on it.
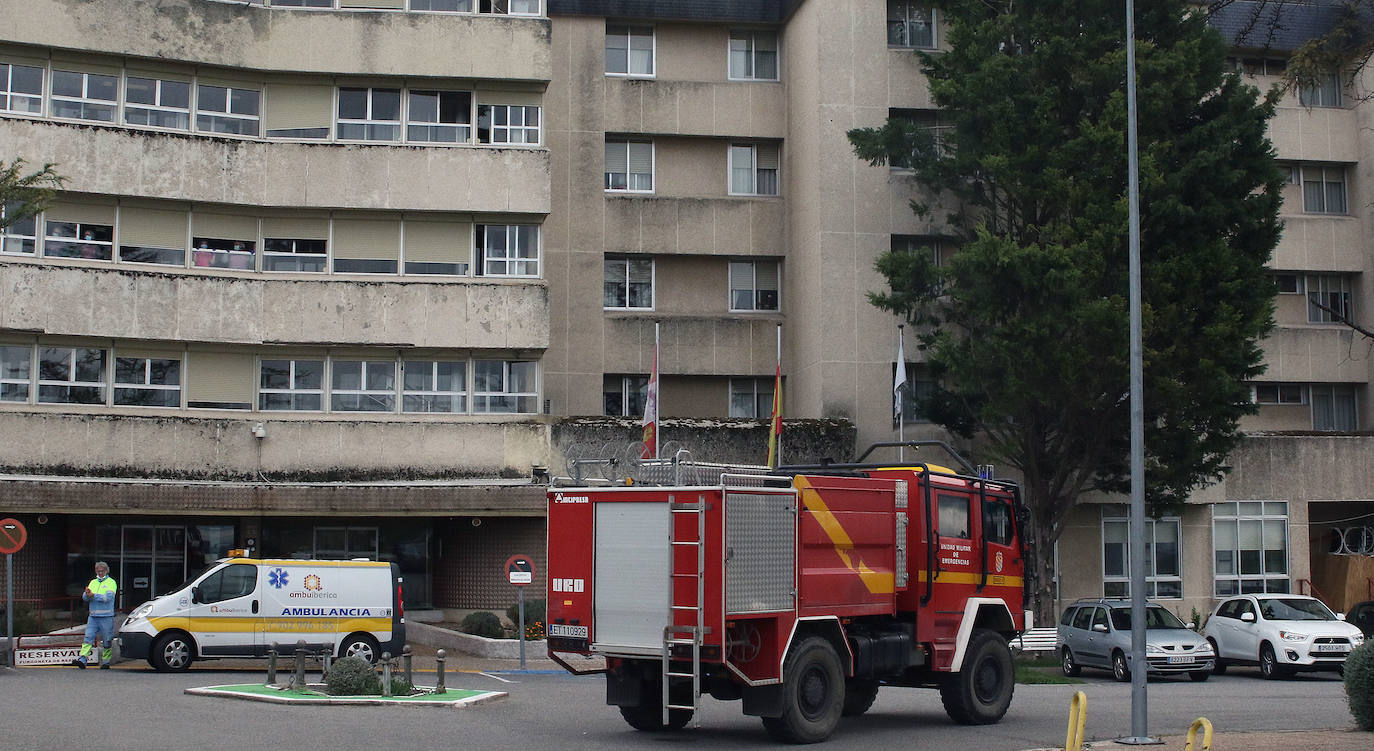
(899, 379)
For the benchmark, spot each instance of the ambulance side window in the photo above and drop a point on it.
(229, 582)
(954, 516)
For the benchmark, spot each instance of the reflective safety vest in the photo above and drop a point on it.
(102, 597)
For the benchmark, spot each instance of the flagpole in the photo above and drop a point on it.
(901, 412)
(658, 374)
(777, 386)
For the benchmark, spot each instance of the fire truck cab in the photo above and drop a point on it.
(798, 591)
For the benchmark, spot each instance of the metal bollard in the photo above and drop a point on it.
(1205, 725)
(406, 659)
(1078, 718)
(298, 678)
(386, 674)
(439, 665)
(272, 663)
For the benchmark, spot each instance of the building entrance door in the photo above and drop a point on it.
(152, 561)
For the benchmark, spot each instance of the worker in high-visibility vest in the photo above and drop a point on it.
(100, 593)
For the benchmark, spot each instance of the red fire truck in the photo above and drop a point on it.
(799, 591)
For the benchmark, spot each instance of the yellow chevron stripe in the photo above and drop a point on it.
(875, 582)
(960, 577)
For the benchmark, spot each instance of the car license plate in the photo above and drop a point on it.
(1181, 660)
(560, 629)
(1332, 648)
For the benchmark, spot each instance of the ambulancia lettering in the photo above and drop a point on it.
(329, 612)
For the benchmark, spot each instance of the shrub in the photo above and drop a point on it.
(534, 613)
(483, 623)
(534, 631)
(352, 676)
(1359, 684)
(401, 687)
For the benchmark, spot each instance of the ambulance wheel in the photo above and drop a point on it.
(360, 645)
(859, 696)
(172, 653)
(981, 692)
(813, 693)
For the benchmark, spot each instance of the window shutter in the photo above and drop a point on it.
(741, 276)
(295, 228)
(224, 226)
(766, 156)
(641, 271)
(615, 156)
(290, 106)
(438, 242)
(134, 71)
(367, 239)
(59, 62)
(528, 98)
(641, 157)
(159, 353)
(152, 228)
(766, 275)
(220, 377)
(18, 56)
(67, 210)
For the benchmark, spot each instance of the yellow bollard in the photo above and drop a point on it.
(1078, 718)
(1206, 725)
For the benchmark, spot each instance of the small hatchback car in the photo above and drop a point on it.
(1282, 634)
(1097, 633)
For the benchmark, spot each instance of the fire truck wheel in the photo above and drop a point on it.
(859, 695)
(650, 717)
(981, 692)
(813, 693)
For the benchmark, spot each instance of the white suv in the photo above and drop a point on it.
(1283, 634)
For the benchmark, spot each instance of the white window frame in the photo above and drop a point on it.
(625, 261)
(1121, 583)
(78, 240)
(735, 150)
(1325, 92)
(757, 388)
(7, 234)
(509, 128)
(486, 397)
(464, 130)
(1233, 512)
(906, 20)
(526, 267)
(459, 396)
(370, 121)
(385, 397)
(228, 113)
(85, 98)
(26, 381)
(1324, 396)
(751, 54)
(292, 390)
(157, 106)
(146, 383)
(507, 5)
(754, 286)
(1324, 173)
(296, 255)
(35, 98)
(471, 6)
(629, 37)
(71, 381)
(626, 146)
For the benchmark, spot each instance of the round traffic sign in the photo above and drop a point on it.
(520, 570)
(12, 536)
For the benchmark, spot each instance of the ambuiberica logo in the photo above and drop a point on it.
(313, 589)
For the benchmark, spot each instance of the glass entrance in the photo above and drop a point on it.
(152, 560)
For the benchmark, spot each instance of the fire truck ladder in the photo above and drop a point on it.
(690, 634)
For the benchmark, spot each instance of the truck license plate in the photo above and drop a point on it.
(1181, 660)
(1332, 648)
(562, 629)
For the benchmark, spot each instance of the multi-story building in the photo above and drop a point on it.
(346, 277)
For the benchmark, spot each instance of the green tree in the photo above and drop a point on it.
(1026, 326)
(24, 195)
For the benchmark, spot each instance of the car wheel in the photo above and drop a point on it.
(1269, 664)
(172, 653)
(1219, 665)
(361, 646)
(1119, 669)
(1199, 676)
(1069, 664)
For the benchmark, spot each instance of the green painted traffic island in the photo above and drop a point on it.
(457, 698)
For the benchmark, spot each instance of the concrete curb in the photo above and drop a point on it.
(479, 646)
(471, 701)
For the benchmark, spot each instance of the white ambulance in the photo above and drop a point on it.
(239, 607)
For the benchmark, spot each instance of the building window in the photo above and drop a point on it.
(147, 382)
(1258, 66)
(1250, 544)
(1334, 408)
(434, 386)
(225, 109)
(15, 373)
(754, 55)
(509, 249)
(629, 284)
(304, 3)
(753, 169)
(753, 285)
(1328, 298)
(918, 388)
(291, 385)
(369, 114)
(1163, 579)
(751, 397)
(363, 386)
(157, 103)
(1278, 393)
(629, 50)
(1323, 189)
(84, 96)
(509, 7)
(505, 124)
(1323, 91)
(71, 375)
(447, 6)
(1288, 284)
(346, 543)
(221, 253)
(17, 236)
(629, 165)
(293, 254)
(910, 24)
(78, 240)
(504, 386)
(440, 117)
(21, 89)
(929, 121)
(624, 395)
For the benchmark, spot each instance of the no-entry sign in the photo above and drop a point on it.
(12, 536)
(520, 570)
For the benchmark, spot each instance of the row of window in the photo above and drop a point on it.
(753, 167)
(135, 234)
(624, 395)
(44, 374)
(628, 284)
(1334, 406)
(1323, 91)
(204, 104)
(493, 7)
(752, 54)
(1249, 545)
(1329, 296)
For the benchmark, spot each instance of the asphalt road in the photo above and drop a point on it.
(132, 707)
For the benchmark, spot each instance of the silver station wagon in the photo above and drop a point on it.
(1097, 633)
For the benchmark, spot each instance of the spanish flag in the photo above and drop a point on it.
(651, 409)
(775, 424)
